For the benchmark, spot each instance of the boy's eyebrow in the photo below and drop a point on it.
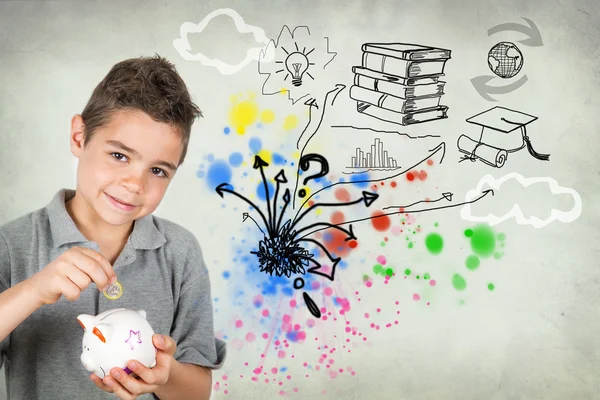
(128, 149)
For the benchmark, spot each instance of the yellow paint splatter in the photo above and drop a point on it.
(296, 155)
(243, 114)
(283, 91)
(267, 116)
(266, 155)
(290, 122)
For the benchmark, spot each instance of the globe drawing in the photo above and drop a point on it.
(505, 59)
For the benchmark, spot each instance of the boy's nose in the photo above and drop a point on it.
(133, 183)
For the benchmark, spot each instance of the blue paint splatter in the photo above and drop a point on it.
(282, 369)
(218, 172)
(255, 144)
(226, 274)
(200, 174)
(210, 157)
(260, 191)
(355, 178)
(226, 130)
(235, 159)
(278, 159)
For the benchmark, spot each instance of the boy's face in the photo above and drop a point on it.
(125, 168)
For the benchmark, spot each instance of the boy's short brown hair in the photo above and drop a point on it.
(149, 84)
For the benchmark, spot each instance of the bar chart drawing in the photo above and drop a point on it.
(376, 159)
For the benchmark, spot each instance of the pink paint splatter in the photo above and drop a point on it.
(328, 291)
(432, 282)
(381, 260)
(250, 337)
(416, 297)
(239, 323)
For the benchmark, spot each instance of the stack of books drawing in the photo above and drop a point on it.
(400, 82)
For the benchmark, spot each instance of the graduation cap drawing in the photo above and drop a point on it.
(503, 131)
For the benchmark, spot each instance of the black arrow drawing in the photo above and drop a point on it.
(279, 178)
(532, 31)
(286, 199)
(259, 163)
(367, 197)
(445, 196)
(480, 84)
(348, 231)
(245, 216)
(222, 188)
(317, 270)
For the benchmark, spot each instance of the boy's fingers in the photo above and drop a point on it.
(78, 277)
(92, 268)
(104, 263)
(98, 382)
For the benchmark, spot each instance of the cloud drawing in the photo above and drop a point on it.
(182, 44)
(560, 215)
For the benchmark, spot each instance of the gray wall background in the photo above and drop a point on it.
(535, 337)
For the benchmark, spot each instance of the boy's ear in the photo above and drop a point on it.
(76, 137)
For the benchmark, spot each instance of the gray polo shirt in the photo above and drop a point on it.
(162, 272)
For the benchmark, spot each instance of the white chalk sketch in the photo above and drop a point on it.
(560, 215)
(182, 44)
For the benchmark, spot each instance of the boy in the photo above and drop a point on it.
(130, 139)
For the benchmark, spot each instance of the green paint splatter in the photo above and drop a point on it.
(418, 277)
(427, 276)
(434, 243)
(491, 286)
(378, 269)
(407, 272)
(462, 302)
(436, 224)
(483, 240)
(365, 277)
(501, 236)
(383, 244)
(468, 232)
(410, 245)
(459, 282)
(497, 255)
(472, 262)
(389, 272)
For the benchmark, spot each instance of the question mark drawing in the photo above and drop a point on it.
(305, 164)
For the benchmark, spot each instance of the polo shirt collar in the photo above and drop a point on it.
(145, 235)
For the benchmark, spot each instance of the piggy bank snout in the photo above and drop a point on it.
(88, 361)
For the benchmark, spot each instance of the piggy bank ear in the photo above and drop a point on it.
(142, 313)
(86, 321)
(103, 332)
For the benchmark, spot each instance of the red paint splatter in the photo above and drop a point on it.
(410, 176)
(352, 244)
(337, 243)
(342, 194)
(337, 217)
(430, 162)
(393, 184)
(380, 221)
(422, 175)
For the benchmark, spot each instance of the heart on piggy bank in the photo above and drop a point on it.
(113, 337)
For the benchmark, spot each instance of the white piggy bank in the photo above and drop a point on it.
(114, 337)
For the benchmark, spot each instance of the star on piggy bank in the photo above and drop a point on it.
(113, 337)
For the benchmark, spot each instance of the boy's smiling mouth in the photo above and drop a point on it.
(120, 204)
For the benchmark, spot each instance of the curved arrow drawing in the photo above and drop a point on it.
(532, 31)
(480, 84)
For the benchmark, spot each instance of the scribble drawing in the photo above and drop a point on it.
(182, 44)
(282, 251)
(505, 60)
(298, 57)
(376, 159)
(399, 82)
(563, 216)
(506, 133)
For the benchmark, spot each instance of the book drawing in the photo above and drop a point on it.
(400, 82)
(406, 51)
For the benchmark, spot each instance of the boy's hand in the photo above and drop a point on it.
(149, 379)
(70, 274)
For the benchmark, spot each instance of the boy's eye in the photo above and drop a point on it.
(158, 172)
(118, 156)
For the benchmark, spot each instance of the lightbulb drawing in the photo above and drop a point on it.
(297, 64)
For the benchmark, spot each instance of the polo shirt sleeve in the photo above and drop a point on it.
(4, 285)
(193, 327)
